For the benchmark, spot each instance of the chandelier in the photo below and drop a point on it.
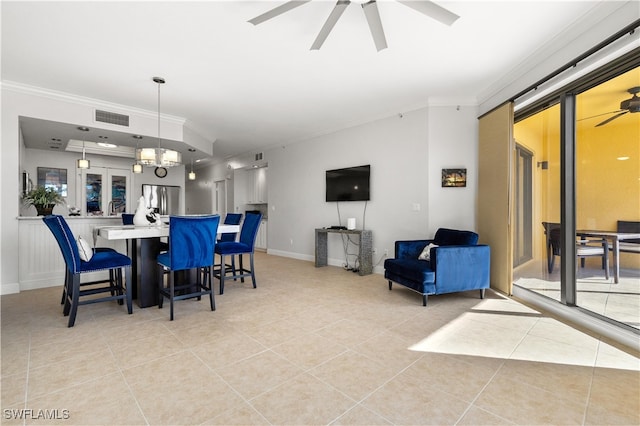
(159, 157)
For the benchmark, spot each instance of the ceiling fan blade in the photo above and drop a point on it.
(336, 13)
(278, 11)
(611, 118)
(432, 10)
(600, 115)
(375, 24)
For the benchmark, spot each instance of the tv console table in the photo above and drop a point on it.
(364, 247)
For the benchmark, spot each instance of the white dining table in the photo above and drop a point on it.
(615, 238)
(127, 232)
(143, 248)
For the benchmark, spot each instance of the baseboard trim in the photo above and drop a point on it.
(10, 288)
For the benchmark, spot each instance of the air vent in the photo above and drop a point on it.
(112, 118)
(258, 156)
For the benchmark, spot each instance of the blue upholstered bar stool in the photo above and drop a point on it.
(105, 260)
(191, 245)
(230, 219)
(245, 245)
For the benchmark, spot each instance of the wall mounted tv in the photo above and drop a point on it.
(349, 184)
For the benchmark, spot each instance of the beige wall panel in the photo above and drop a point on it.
(494, 187)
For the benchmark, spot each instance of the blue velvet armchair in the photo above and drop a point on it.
(456, 263)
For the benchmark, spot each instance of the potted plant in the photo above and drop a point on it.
(43, 199)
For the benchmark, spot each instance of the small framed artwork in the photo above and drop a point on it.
(50, 177)
(454, 178)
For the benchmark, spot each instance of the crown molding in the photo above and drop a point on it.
(86, 101)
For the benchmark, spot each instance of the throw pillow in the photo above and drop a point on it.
(426, 252)
(85, 250)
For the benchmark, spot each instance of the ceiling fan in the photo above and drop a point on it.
(370, 9)
(629, 105)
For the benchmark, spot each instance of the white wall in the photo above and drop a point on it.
(406, 154)
(453, 144)
(16, 102)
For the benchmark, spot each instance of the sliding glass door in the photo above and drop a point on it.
(607, 168)
(600, 149)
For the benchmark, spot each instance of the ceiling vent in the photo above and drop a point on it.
(112, 118)
(258, 157)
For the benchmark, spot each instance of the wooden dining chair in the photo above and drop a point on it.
(192, 240)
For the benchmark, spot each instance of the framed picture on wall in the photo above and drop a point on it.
(454, 178)
(50, 177)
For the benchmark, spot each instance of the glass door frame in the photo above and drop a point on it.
(107, 174)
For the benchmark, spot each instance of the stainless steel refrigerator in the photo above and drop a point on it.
(165, 200)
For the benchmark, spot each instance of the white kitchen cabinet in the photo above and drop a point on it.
(261, 238)
(257, 186)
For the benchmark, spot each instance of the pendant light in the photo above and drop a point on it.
(159, 156)
(192, 175)
(83, 163)
(137, 167)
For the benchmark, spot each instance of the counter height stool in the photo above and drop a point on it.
(102, 260)
(191, 244)
(245, 245)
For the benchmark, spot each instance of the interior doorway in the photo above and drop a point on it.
(220, 198)
(523, 209)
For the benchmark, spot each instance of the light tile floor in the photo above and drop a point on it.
(310, 346)
(620, 302)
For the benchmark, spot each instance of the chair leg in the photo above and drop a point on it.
(68, 292)
(209, 279)
(222, 273)
(65, 286)
(171, 295)
(75, 297)
(119, 287)
(129, 290)
(160, 286)
(253, 274)
(424, 300)
(482, 293)
(389, 284)
(241, 269)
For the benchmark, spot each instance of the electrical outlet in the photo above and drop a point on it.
(374, 251)
(386, 252)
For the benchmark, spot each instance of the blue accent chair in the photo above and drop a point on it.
(458, 263)
(191, 244)
(245, 245)
(106, 259)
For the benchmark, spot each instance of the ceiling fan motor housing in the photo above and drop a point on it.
(632, 105)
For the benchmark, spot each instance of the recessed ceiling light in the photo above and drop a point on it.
(107, 145)
(623, 158)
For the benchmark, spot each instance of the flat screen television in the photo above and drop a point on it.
(349, 184)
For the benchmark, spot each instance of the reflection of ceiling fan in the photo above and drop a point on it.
(629, 105)
(370, 9)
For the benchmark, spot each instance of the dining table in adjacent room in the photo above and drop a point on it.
(143, 249)
(615, 238)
